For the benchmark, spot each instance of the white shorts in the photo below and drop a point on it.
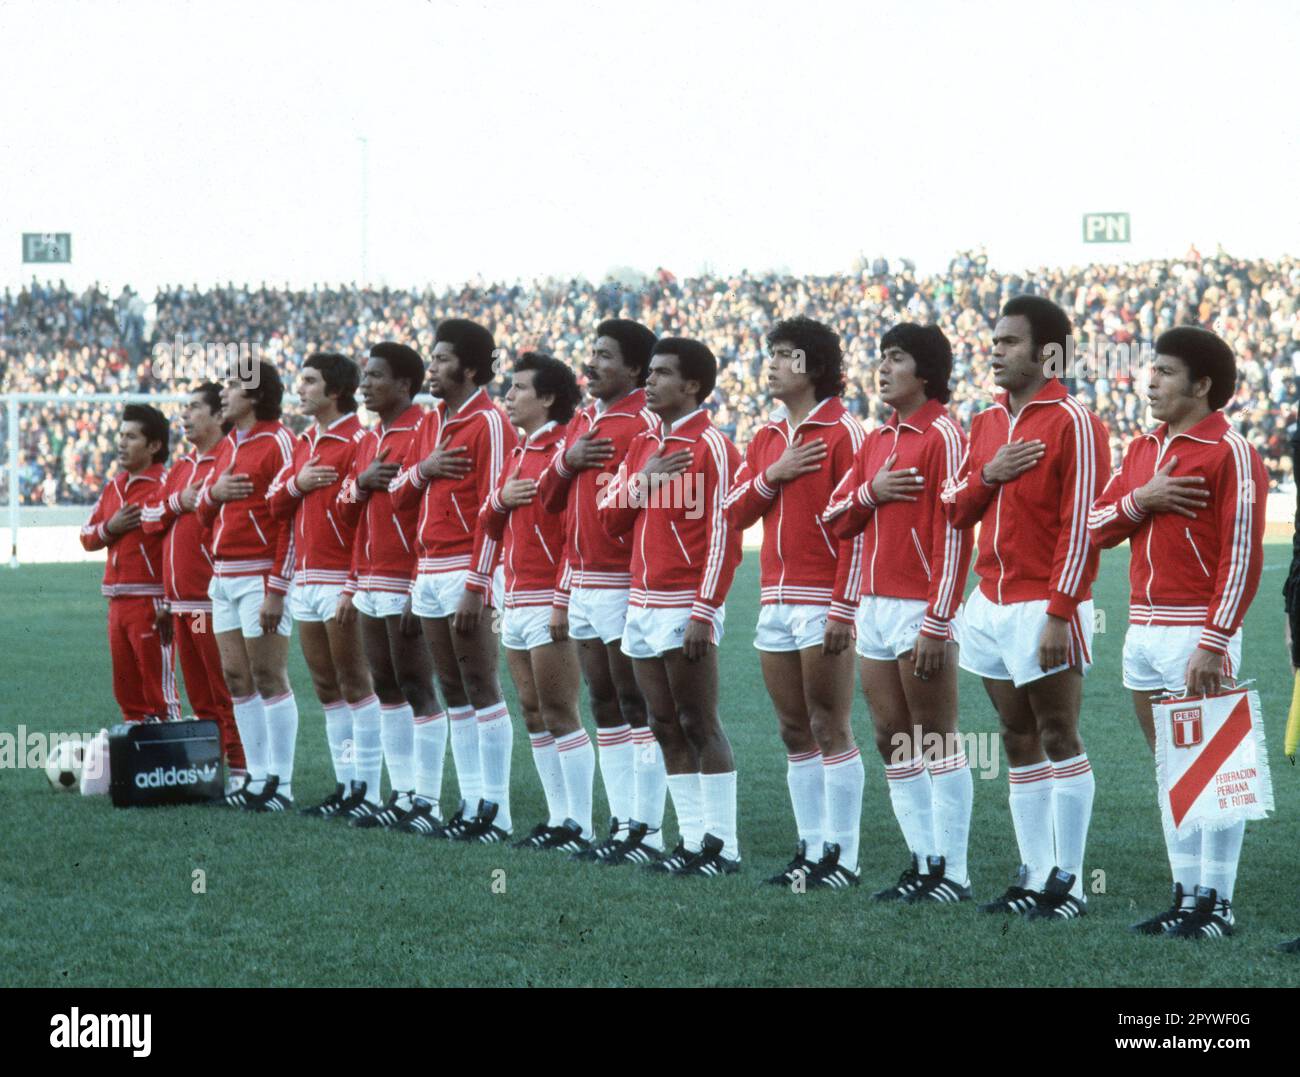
(598, 613)
(1001, 642)
(237, 605)
(888, 627)
(526, 627)
(784, 626)
(314, 601)
(1156, 656)
(651, 632)
(437, 594)
(380, 603)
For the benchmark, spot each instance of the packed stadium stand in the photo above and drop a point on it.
(55, 340)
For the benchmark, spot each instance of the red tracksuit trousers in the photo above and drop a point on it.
(144, 683)
(196, 646)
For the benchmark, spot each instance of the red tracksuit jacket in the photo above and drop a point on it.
(1183, 571)
(532, 538)
(595, 557)
(384, 546)
(1033, 541)
(684, 552)
(134, 566)
(799, 559)
(448, 508)
(186, 556)
(246, 539)
(911, 550)
(322, 542)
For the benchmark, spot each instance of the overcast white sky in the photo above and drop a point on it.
(209, 141)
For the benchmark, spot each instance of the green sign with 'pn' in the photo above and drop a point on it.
(1106, 228)
(47, 246)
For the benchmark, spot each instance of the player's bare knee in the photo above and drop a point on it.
(602, 693)
(417, 692)
(239, 682)
(386, 687)
(561, 721)
(831, 732)
(356, 687)
(271, 683)
(453, 692)
(700, 729)
(632, 707)
(1022, 748)
(481, 691)
(796, 734)
(323, 683)
(607, 712)
(1060, 742)
(533, 720)
(665, 728)
(894, 742)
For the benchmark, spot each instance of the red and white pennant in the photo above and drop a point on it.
(1211, 761)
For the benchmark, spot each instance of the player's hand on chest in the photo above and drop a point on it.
(799, 460)
(897, 473)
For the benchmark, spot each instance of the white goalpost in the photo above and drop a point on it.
(13, 403)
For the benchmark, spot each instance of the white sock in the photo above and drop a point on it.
(805, 777)
(250, 719)
(718, 800)
(1220, 854)
(1185, 862)
(338, 731)
(496, 740)
(1073, 787)
(952, 791)
(1031, 815)
(282, 738)
(578, 763)
(650, 785)
(616, 763)
(844, 778)
(464, 752)
(368, 757)
(547, 761)
(397, 733)
(689, 808)
(429, 746)
(910, 794)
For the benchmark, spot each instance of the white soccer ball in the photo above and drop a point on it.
(64, 765)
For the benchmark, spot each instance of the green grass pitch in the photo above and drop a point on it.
(101, 897)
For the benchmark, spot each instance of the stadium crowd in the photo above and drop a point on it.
(54, 340)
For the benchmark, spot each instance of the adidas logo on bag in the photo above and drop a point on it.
(165, 776)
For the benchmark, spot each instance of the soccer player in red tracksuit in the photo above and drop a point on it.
(252, 562)
(412, 727)
(320, 599)
(913, 577)
(598, 585)
(543, 661)
(1189, 499)
(185, 618)
(450, 467)
(809, 585)
(1037, 460)
(670, 493)
(143, 680)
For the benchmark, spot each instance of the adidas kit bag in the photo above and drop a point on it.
(165, 763)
